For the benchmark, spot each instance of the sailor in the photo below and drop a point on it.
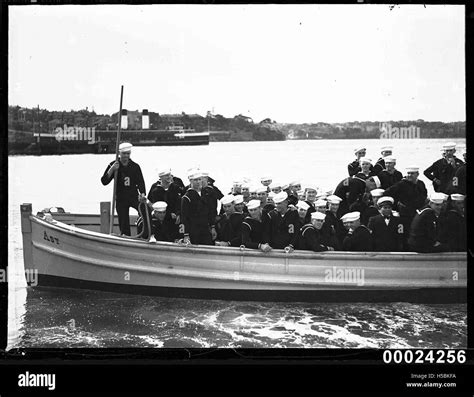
(245, 189)
(163, 227)
(197, 222)
(301, 195)
(302, 207)
(350, 190)
(275, 187)
(333, 220)
(321, 205)
(130, 185)
(223, 227)
(235, 222)
(166, 190)
(253, 192)
(282, 229)
(239, 204)
(295, 187)
(442, 171)
(262, 196)
(366, 169)
(409, 195)
(266, 181)
(270, 197)
(236, 188)
(354, 167)
(358, 236)
(459, 179)
(310, 234)
(311, 192)
(252, 227)
(424, 230)
(389, 176)
(387, 230)
(380, 165)
(372, 209)
(453, 225)
(211, 194)
(292, 190)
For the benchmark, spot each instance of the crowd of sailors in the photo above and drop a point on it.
(375, 208)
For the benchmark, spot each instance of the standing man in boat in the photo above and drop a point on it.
(424, 230)
(358, 236)
(380, 164)
(197, 222)
(409, 195)
(282, 230)
(354, 167)
(252, 228)
(387, 229)
(130, 185)
(166, 190)
(442, 171)
(453, 225)
(389, 176)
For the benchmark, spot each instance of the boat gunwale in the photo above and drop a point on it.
(236, 251)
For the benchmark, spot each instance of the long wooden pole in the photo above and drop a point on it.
(117, 143)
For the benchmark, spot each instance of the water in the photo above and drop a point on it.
(60, 318)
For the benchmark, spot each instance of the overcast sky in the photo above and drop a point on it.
(292, 63)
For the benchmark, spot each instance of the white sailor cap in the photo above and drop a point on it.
(449, 146)
(312, 187)
(320, 203)
(265, 178)
(318, 215)
(295, 182)
(274, 185)
(252, 204)
(437, 198)
(359, 149)
(458, 197)
(271, 195)
(254, 189)
(351, 216)
(303, 205)
(390, 159)
(300, 192)
(384, 200)
(333, 199)
(228, 199)
(365, 160)
(285, 186)
(245, 185)
(261, 189)
(164, 171)
(160, 206)
(280, 197)
(386, 148)
(377, 192)
(413, 168)
(237, 183)
(194, 173)
(204, 173)
(125, 147)
(239, 199)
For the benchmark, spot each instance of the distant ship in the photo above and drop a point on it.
(75, 140)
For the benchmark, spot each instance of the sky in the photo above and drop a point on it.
(291, 63)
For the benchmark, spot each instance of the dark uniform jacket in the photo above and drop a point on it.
(424, 231)
(408, 196)
(224, 228)
(386, 238)
(281, 231)
(163, 231)
(359, 240)
(172, 196)
(266, 209)
(337, 229)
(236, 220)
(363, 208)
(309, 238)
(252, 232)
(129, 179)
(387, 179)
(379, 166)
(350, 190)
(445, 172)
(195, 214)
(361, 175)
(213, 195)
(453, 231)
(459, 180)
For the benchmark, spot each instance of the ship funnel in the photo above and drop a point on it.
(124, 120)
(145, 120)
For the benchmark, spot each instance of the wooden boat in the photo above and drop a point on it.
(68, 250)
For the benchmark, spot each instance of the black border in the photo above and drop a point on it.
(216, 370)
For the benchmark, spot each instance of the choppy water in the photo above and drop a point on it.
(50, 317)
